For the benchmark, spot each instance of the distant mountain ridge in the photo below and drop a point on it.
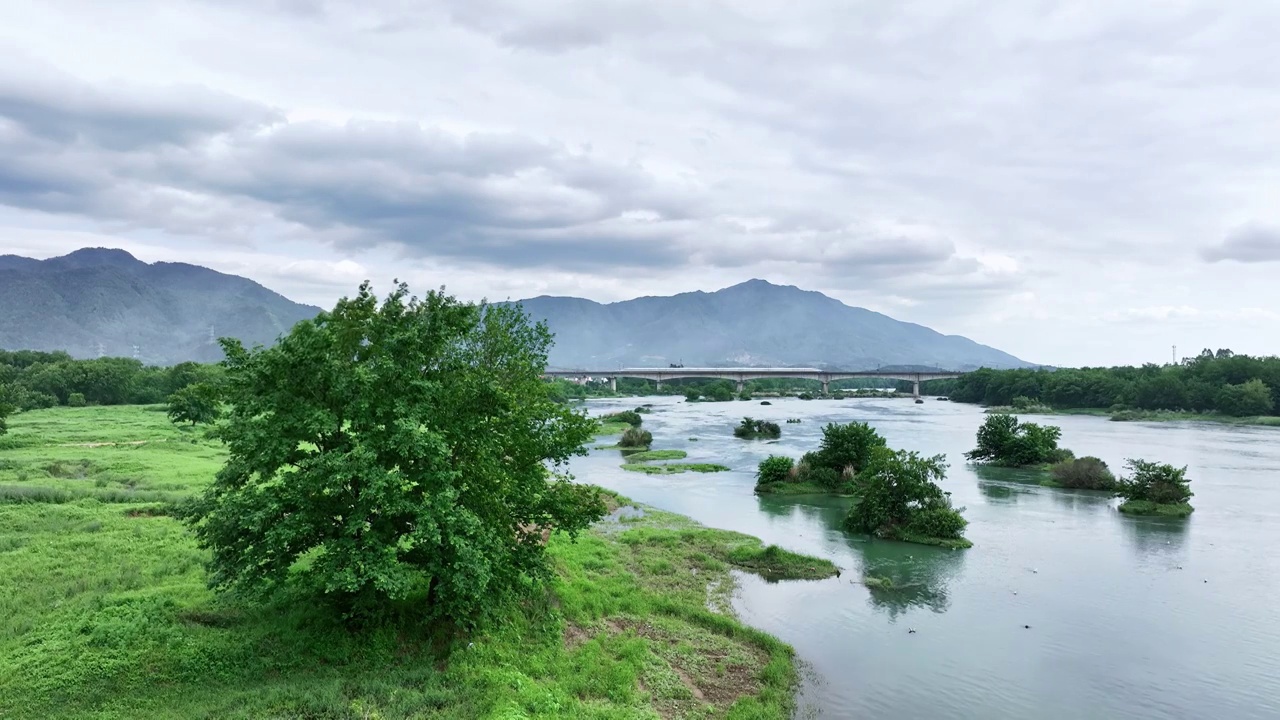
(755, 323)
(105, 301)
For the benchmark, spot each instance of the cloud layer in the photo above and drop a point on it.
(1013, 171)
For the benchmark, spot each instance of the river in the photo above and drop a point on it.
(1129, 617)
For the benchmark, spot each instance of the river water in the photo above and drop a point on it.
(1129, 617)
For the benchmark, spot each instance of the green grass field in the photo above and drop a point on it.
(104, 612)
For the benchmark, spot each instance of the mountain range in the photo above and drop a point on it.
(755, 323)
(99, 301)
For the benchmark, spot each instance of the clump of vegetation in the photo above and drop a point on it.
(805, 396)
(650, 455)
(644, 409)
(751, 429)
(198, 403)
(833, 468)
(634, 437)
(1086, 473)
(630, 417)
(774, 470)
(428, 486)
(1004, 441)
(1155, 489)
(793, 421)
(765, 402)
(898, 498)
(744, 395)
(673, 468)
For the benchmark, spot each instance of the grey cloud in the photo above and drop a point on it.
(123, 118)
(1247, 244)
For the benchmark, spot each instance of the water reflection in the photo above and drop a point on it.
(1088, 501)
(1155, 536)
(901, 577)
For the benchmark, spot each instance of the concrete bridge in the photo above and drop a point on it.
(741, 375)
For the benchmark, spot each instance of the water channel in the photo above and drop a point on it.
(1129, 617)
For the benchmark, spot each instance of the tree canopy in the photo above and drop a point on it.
(898, 497)
(406, 449)
(849, 446)
(1219, 381)
(198, 403)
(1002, 440)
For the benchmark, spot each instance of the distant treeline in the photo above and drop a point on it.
(31, 380)
(1221, 382)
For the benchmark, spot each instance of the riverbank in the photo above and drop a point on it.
(104, 610)
(1143, 415)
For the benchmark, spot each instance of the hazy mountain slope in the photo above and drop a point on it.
(98, 300)
(754, 323)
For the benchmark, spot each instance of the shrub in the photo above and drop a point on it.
(744, 395)
(692, 394)
(76, 400)
(751, 428)
(1158, 483)
(824, 477)
(1246, 399)
(774, 469)
(635, 438)
(1086, 473)
(630, 417)
(848, 445)
(937, 522)
(1002, 440)
(898, 496)
(805, 396)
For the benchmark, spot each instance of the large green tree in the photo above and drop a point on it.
(898, 497)
(848, 446)
(406, 449)
(1002, 440)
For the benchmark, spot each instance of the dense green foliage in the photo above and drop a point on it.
(751, 429)
(36, 380)
(1004, 441)
(774, 469)
(1154, 489)
(634, 437)
(1222, 382)
(630, 417)
(198, 403)
(898, 498)
(1086, 473)
(410, 464)
(848, 448)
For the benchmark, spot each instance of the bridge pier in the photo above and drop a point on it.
(613, 384)
(826, 387)
(741, 386)
(915, 389)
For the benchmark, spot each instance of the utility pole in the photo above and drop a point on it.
(1175, 354)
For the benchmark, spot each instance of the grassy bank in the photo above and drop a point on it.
(104, 610)
(1146, 507)
(797, 488)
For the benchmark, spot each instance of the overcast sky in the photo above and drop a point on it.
(1085, 182)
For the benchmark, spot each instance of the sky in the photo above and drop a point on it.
(1077, 183)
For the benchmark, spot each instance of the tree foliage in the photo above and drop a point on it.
(1158, 483)
(44, 379)
(750, 429)
(774, 469)
(634, 437)
(402, 449)
(630, 417)
(6, 408)
(198, 403)
(1198, 384)
(898, 496)
(1002, 440)
(849, 446)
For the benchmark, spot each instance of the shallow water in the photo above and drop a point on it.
(1130, 618)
